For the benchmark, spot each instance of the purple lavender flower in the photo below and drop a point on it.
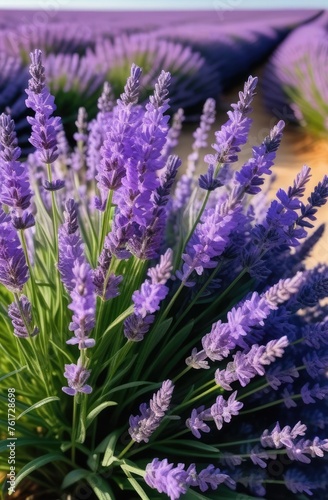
(147, 243)
(221, 411)
(13, 269)
(69, 245)
(142, 426)
(208, 242)
(279, 438)
(147, 160)
(186, 182)
(175, 481)
(44, 126)
(232, 135)
(120, 136)
(77, 160)
(98, 129)
(297, 482)
(21, 318)
(251, 312)
(15, 188)
(106, 284)
(244, 367)
(249, 178)
(83, 305)
(165, 478)
(173, 133)
(76, 376)
(147, 300)
(196, 421)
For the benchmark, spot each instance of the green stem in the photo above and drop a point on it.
(269, 405)
(196, 398)
(55, 214)
(105, 221)
(74, 423)
(186, 370)
(126, 449)
(200, 213)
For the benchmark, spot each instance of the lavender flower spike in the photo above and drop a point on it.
(106, 285)
(21, 318)
(76, 376)
(83, 305)
(232, 135)
(142, 426)
(15, 188)
(69, 245)
(147, 300)
(119, 139)
(13, 269)
(175, 481)
(44, 126)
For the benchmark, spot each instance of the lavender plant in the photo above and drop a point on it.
(158, 345)
(293, 82)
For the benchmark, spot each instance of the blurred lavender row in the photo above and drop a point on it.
(205, 52)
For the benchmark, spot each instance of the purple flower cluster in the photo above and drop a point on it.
(231, 137)
(244, 367)
(175, 481)
(106, 283)
(97, 132)
(44, 126)
(147, 300)
(20, 314)
(142, 426)
(119, 138)
(221, 411)
(70, 248)
(207, 243)
(224, 337)
(301, 450)
(13, 268)
(83, 305)
(15, 189)
(76, 377)
(77, 277)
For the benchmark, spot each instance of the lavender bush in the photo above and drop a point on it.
(162, 339)
(294, 84)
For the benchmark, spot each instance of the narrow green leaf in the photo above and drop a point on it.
(111, 441)
(101, 488)
(12, 373)
(32, 441)
(81, 431)
(73, 477)
(95, 412)
(38, 404)
(37, 464)
(131, 467)
(141, 492)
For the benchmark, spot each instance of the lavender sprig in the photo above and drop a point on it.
(142, 426)
(15, 187)
(44, 126)
(232, 135)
